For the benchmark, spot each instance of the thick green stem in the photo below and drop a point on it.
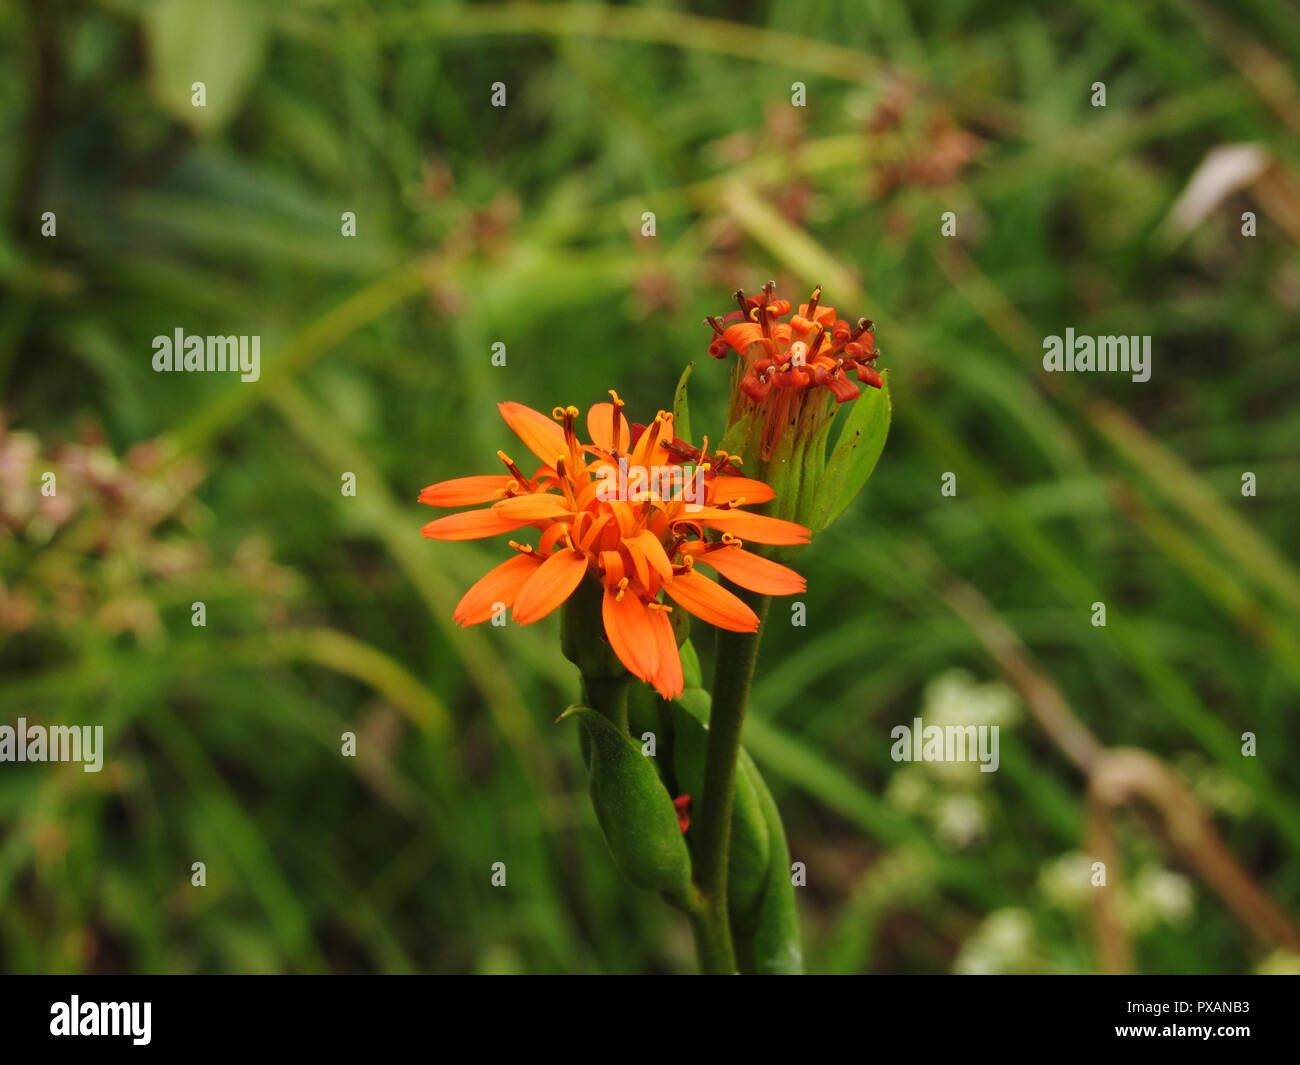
(737, 654)
(608, 695)
(713, 940)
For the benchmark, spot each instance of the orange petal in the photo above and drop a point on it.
(601, 428)
(540, 434)
(752, 571)
(711, 602)
(470, 525)
(726, 489)
(464, 491)
(741, 335)
(550, 585)
(630, 632)
(644, 445)
(650, 450)
(757, 527)
(668, 680)
(593, 529)
(533, 507)
(499, 585)
(646, 545)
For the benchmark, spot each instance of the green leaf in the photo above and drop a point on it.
(691, 671)
(774, 948)
(854, 458)
(735, 441)
(218, 42)
(681, 409)
(634, 808)
(812, 470)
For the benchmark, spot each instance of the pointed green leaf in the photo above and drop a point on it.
(681, 409)
(774, 948)
(634, 808)
(854, 458)
(736, 441)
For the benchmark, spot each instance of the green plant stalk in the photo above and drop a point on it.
(737, 654)
(608, 695)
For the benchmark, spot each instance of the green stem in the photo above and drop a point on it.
(712, 940)
(608, 695)
(737, 654)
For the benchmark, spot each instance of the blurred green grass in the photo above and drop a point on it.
(522, 225)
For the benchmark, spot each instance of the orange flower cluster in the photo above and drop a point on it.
(646, 539)
(781, 361)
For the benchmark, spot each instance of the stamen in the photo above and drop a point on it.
(739, 296)
(614, 434)
(622, 587)
(812, 301)
(817, 342)
(514, 470)
(864, 324)
(715, 324)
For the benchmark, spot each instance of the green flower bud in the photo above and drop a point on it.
(634, 809)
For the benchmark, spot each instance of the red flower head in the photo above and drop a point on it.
(630, 511)
(785, 362)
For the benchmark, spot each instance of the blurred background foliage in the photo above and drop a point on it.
(523, 225)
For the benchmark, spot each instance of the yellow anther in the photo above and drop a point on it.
(614, 396)
(557, 413)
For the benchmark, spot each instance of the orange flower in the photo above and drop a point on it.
(784, 362)
(626, 510)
